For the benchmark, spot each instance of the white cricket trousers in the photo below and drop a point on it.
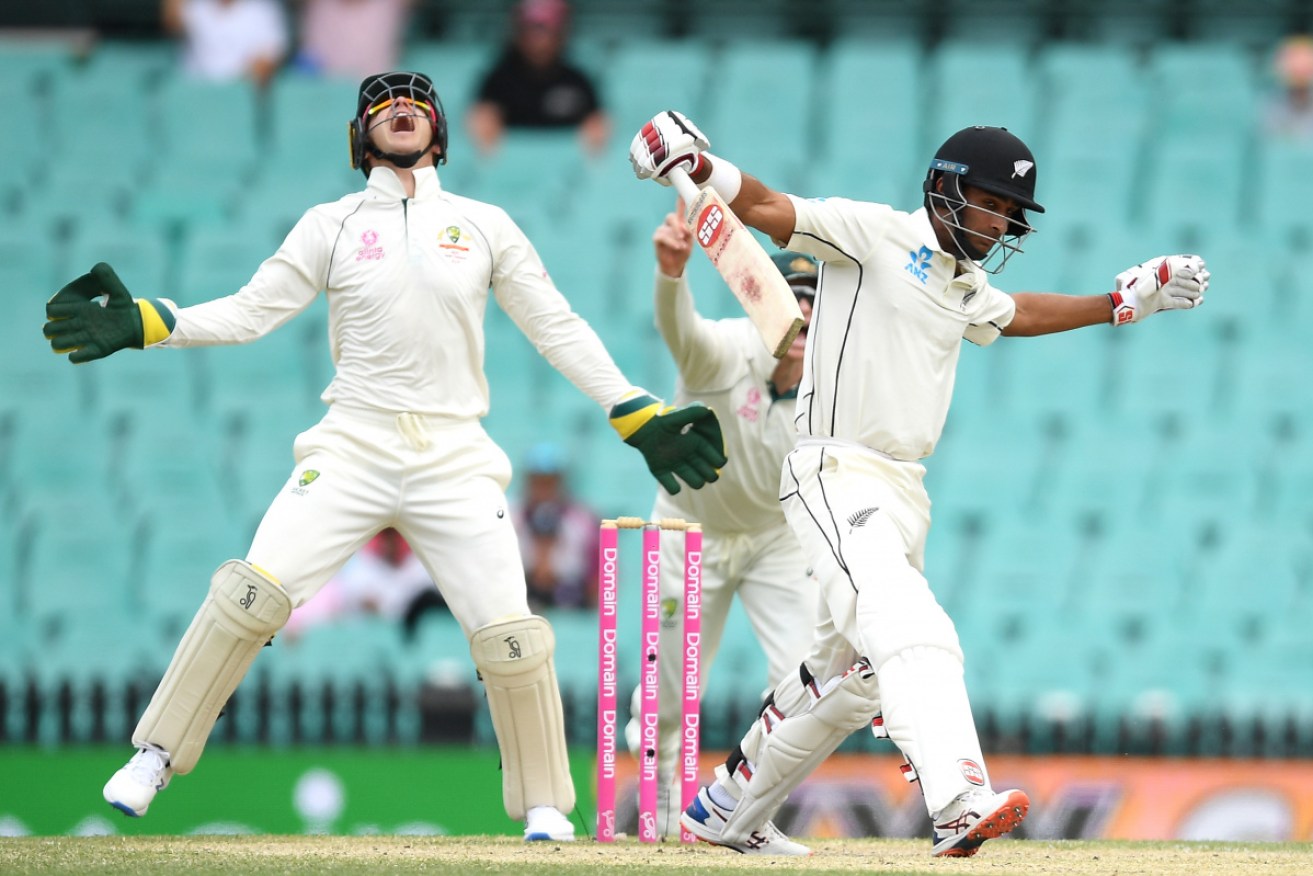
(862, 519)
(441, 483)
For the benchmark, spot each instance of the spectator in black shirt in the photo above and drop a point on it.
(532, 85)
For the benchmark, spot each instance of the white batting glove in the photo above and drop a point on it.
(669, 140)
(1175, 282)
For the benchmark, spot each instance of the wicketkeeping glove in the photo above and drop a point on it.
(94, 316)
(683, 441)
(667, 141)
(1175, 282)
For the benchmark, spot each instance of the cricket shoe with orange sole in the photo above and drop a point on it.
(974, 817)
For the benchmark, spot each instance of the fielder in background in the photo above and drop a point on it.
(747, 546)
(897, 294)
(406, 267)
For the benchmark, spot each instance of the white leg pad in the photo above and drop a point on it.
(830, 658)
(789, 748)
(242, 611)
(515, 659)
(928, 716)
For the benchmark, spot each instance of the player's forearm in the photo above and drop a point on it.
(757, 205)
(1044, 313)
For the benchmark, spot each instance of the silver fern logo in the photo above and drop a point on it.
(860, 518)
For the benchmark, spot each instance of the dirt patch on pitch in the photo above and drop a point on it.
(402, 855)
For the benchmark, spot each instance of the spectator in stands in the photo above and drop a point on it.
(557, 533)
(1289, 112)
(351, 38)
(384, 578)
(229, 39)
(532, 85)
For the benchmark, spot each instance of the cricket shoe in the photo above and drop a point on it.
(705, 820)
(547, 824)
(974, 817)
(132, 788)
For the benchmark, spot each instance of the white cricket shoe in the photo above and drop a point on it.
(132, 788)
(974, 817)
(547, 823)
(705, 820)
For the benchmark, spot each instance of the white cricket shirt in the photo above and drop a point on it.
(725, 365)
(407, 281)
(887, 325)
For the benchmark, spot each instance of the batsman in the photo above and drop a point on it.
(898, 292)
(407, 268)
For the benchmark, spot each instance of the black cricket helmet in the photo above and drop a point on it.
(800, 270)
(992, 159)
(377, 93)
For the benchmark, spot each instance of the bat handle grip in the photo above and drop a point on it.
(688, 190)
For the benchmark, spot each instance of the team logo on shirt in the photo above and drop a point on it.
(308, 477)
(369, 251)
(452, 244)
(751, 410)
(919, 266)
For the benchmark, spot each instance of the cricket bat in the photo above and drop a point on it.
(744, 265)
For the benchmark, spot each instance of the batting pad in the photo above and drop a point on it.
(515, 659)
(243, 609)
(791, 749)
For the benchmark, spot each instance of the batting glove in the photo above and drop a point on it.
(683, 441)
(670, 140)
(1175, 282)
(94, 316)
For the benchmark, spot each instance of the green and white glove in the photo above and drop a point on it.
(94, 316)
(674, 441)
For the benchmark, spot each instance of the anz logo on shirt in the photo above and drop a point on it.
(919, 266)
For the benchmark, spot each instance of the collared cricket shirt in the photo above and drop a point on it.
(887, 325)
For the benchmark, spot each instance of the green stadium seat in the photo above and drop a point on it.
(736, 116)
(456, 68)
(146, 385)
(183, 545)
(513, 177)
(1015, 23)
(139, 256)
(134, 64)
(975, 84)
(82, 553)
(870, 127)
(114, 126)
(627, 85)
(211, 122)
(215, 262)
(87, 647)
(1283, 189)
(749, 21)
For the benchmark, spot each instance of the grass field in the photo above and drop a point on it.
(403, 855)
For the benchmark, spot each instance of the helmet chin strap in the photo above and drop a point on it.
(400, 160)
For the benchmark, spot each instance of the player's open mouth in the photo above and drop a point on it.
(402, 124)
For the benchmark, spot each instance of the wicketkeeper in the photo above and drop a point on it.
(406, 268)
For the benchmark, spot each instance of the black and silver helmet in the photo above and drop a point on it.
(377, 93)
(992, 159)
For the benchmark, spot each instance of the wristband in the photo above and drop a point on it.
(725, 178)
